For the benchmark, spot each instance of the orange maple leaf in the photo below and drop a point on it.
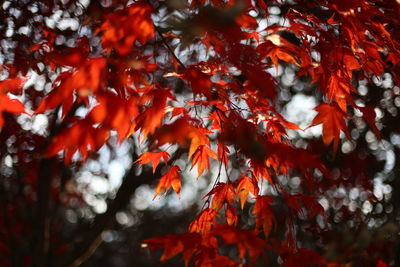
(332, 119)
(198, 137)
(246, 185)
(170, 178)
(223, 193)
(201, 158)
(204, 222)
(230, 214)
(153, 157)
(278, 48)
(223, 154)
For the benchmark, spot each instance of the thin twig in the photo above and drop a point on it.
(169, 48)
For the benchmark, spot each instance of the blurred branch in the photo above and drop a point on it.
(43, 203)
(44, 180)
(43, 223)
(92, 239)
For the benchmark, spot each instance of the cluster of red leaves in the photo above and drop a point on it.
(203, 249)
(238, 114)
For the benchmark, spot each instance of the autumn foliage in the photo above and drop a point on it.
(197, 87)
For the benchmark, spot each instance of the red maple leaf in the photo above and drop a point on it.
(264, 214)
(204, 222)
(170, 179)
(332, 119)
(153, 157)
(9, 105)
(122, 28)
(245, 186)
(223, 193)
(201, 158)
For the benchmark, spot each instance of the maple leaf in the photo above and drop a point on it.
(245, 186)
(115, 112)
(304, 205)
(245, 136)
(381, 263)
(149, 120)
(244, 240)
(259, 170)
(261, 80)
(175, 244)
(264, 214)
(284, 122)
(203, 249)
(247, 21)
(12, 85)
(177, 111)
(310, 204)
(60, 93)
(350, 61)
(199, 81)
(276, 126)
(204, 222)
(87, 79)
(9, 105)
(339, 89)
(332, 119)
(154, 158)
(217, 117)
(278, 48)
(230, 214)
(223, 154)
(198, 138)
(223, 193)
(182, 131)
(283, 156)
(122, 28)
(369, 116)
(170, 179)
(81, 136)
(69, 56)
(201, 158)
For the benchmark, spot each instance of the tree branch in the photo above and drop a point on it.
(169, 48)
(44, 180)
(43, 223)
(92, 239)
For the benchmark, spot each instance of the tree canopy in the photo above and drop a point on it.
(202, 132)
